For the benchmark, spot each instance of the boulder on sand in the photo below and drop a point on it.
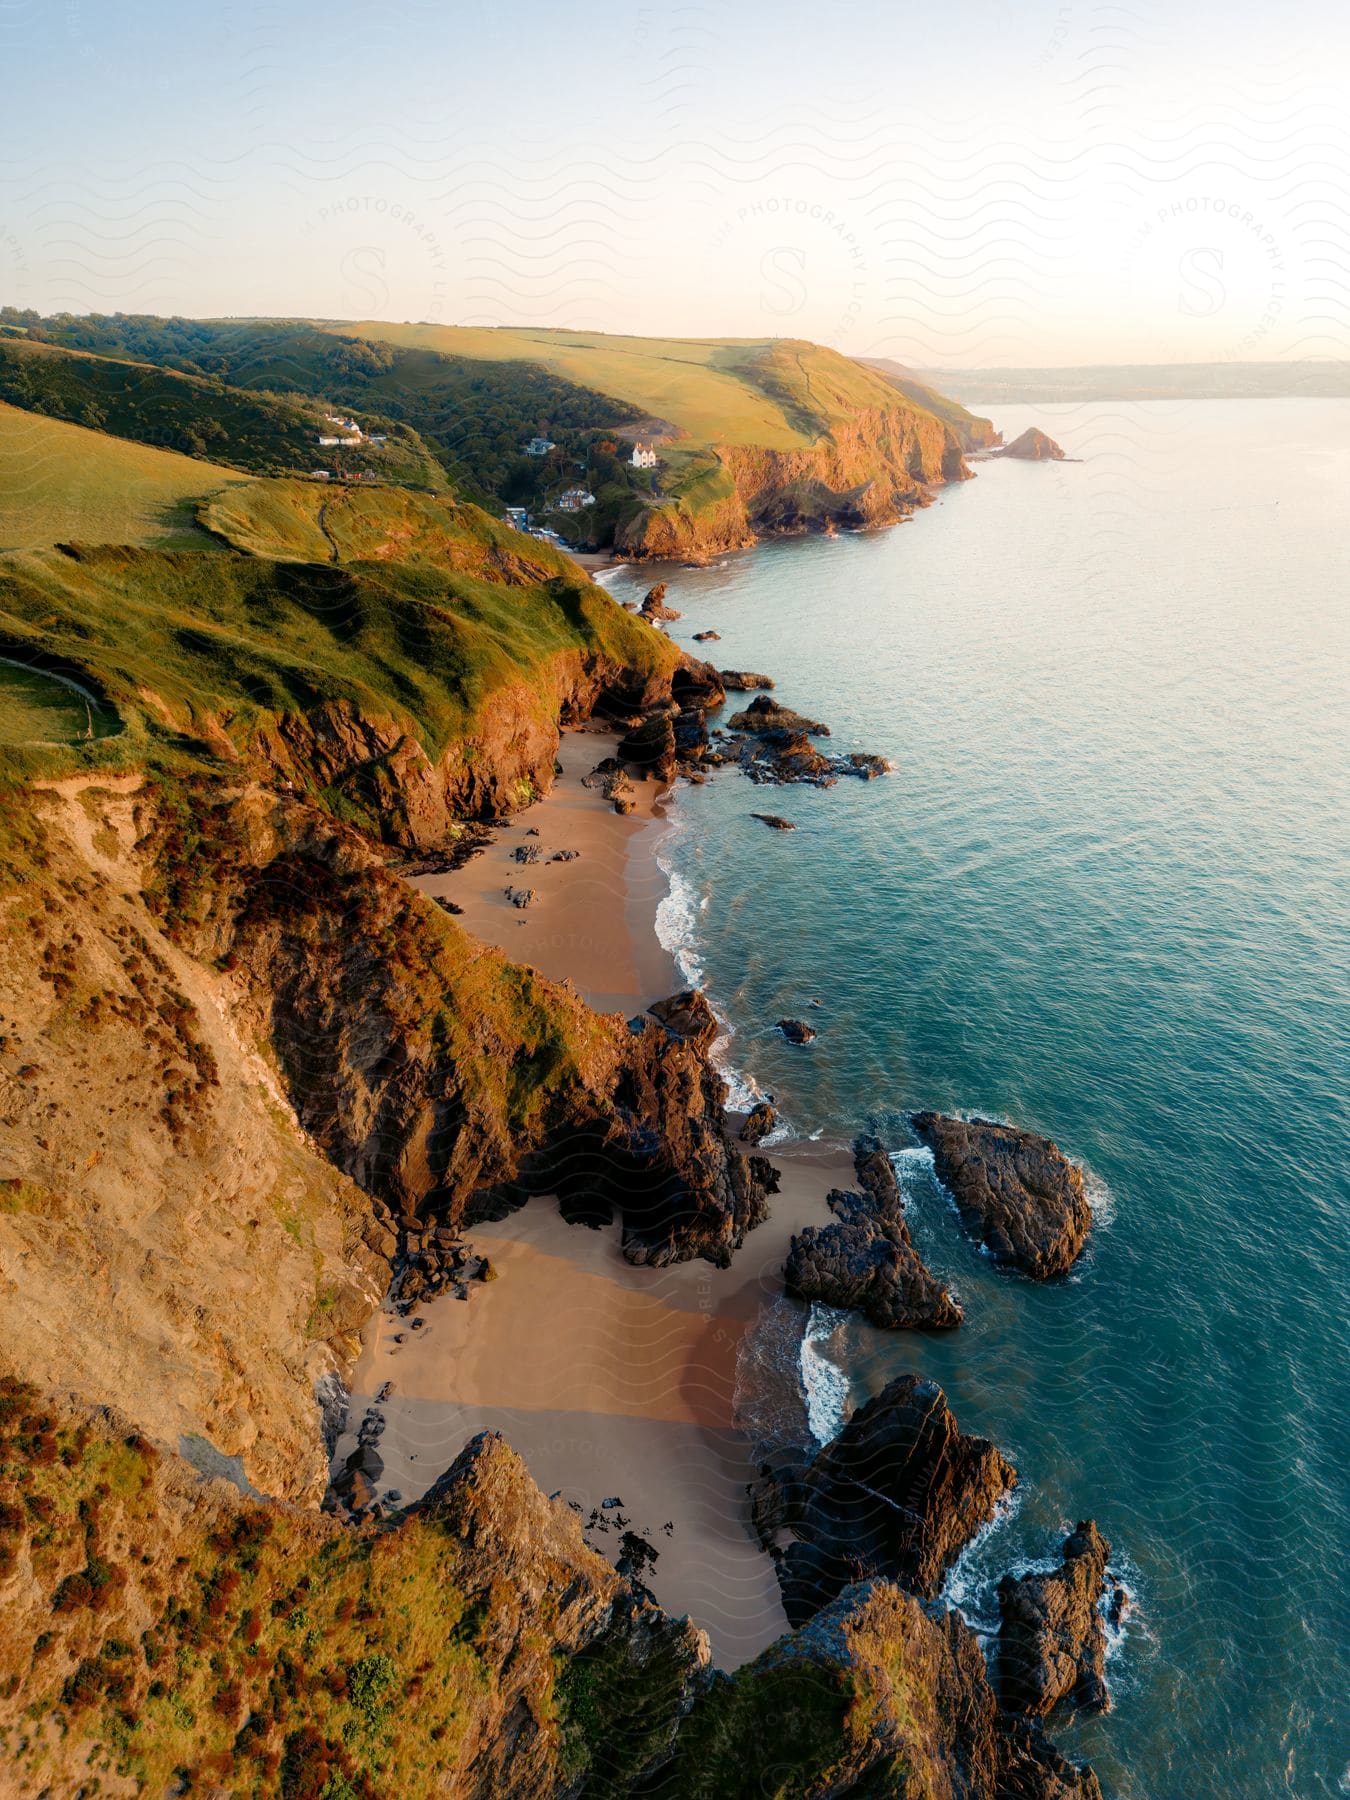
(1017, 1192)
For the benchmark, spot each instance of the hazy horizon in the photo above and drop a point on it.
(1070, 187)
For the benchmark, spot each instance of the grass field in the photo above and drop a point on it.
(716, 391)
(37, 708)
(61, 483)
(191, 646)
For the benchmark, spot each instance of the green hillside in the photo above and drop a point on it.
(61, 482)
(263, 433)
(200, 653)
(476, 415)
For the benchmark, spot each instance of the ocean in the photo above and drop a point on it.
(1104, 896)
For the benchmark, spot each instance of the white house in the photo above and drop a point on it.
(539, 446)
(321, 474)
(325, 441)
(643, 458)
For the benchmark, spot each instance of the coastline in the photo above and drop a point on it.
(614, 1382)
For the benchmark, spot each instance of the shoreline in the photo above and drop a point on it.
(613, 1381)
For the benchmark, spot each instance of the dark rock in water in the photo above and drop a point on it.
(866, 1262)
(773, 821)
(1118, 1607)
(744, 681)
(1052, 1641)
(707, 637)
(874, 1697)
(691, 734)
(765, 715)
(867, 766)
(899, 1493)
(1016, 1192)
(654, 606)
(795, 1031)
(758, 1123)
(687, 1016)
(1033, 446)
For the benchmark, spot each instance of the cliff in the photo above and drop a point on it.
(163, 1632)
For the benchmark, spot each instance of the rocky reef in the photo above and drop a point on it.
(1016, 1192)
(898, 1493)
(1052, 1639)
(865, 1262)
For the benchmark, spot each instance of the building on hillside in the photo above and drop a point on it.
(539, 446)
(376, 437)
(321, 474)
(643, 458)
(574, 499)
(326, 442)
(518, 517)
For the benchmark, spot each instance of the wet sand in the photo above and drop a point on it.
(613, 1382)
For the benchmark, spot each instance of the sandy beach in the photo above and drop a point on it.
(615, 1383)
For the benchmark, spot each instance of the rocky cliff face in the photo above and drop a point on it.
(159, 1633)
(170, 1239)
(868, 469)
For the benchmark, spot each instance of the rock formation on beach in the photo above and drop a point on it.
(1052, 1639)
(764, 716)
(654, 604)
(758, 1122)
(1016, 1192)
(899, 1493)
(865, 1262)
(1032, 446)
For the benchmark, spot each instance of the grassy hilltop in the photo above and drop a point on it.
(60, 481)
(754, 435)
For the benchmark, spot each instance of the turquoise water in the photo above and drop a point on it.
(1104, 895)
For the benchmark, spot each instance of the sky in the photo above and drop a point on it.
(973, 185)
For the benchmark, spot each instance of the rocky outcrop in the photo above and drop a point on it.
(171, 1241)
(565, 1601)
(494, 1651)
(765, 717)
(772, 743)
(874, 1696)
(1032, 446)
(744, 681)
(650, 747)
(866, 1261)
(654, 604)
(687, 1016)
(774, 821)
(899, 1492)
(1016, 1192)
(1052, 1639)
(758, 1122)
(797, 1031)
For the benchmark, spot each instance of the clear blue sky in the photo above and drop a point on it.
(976, 184)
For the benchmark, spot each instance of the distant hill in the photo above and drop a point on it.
(1148, 381)
(60, 482)
(753, 435)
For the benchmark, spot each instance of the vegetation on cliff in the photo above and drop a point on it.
(263, 433)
